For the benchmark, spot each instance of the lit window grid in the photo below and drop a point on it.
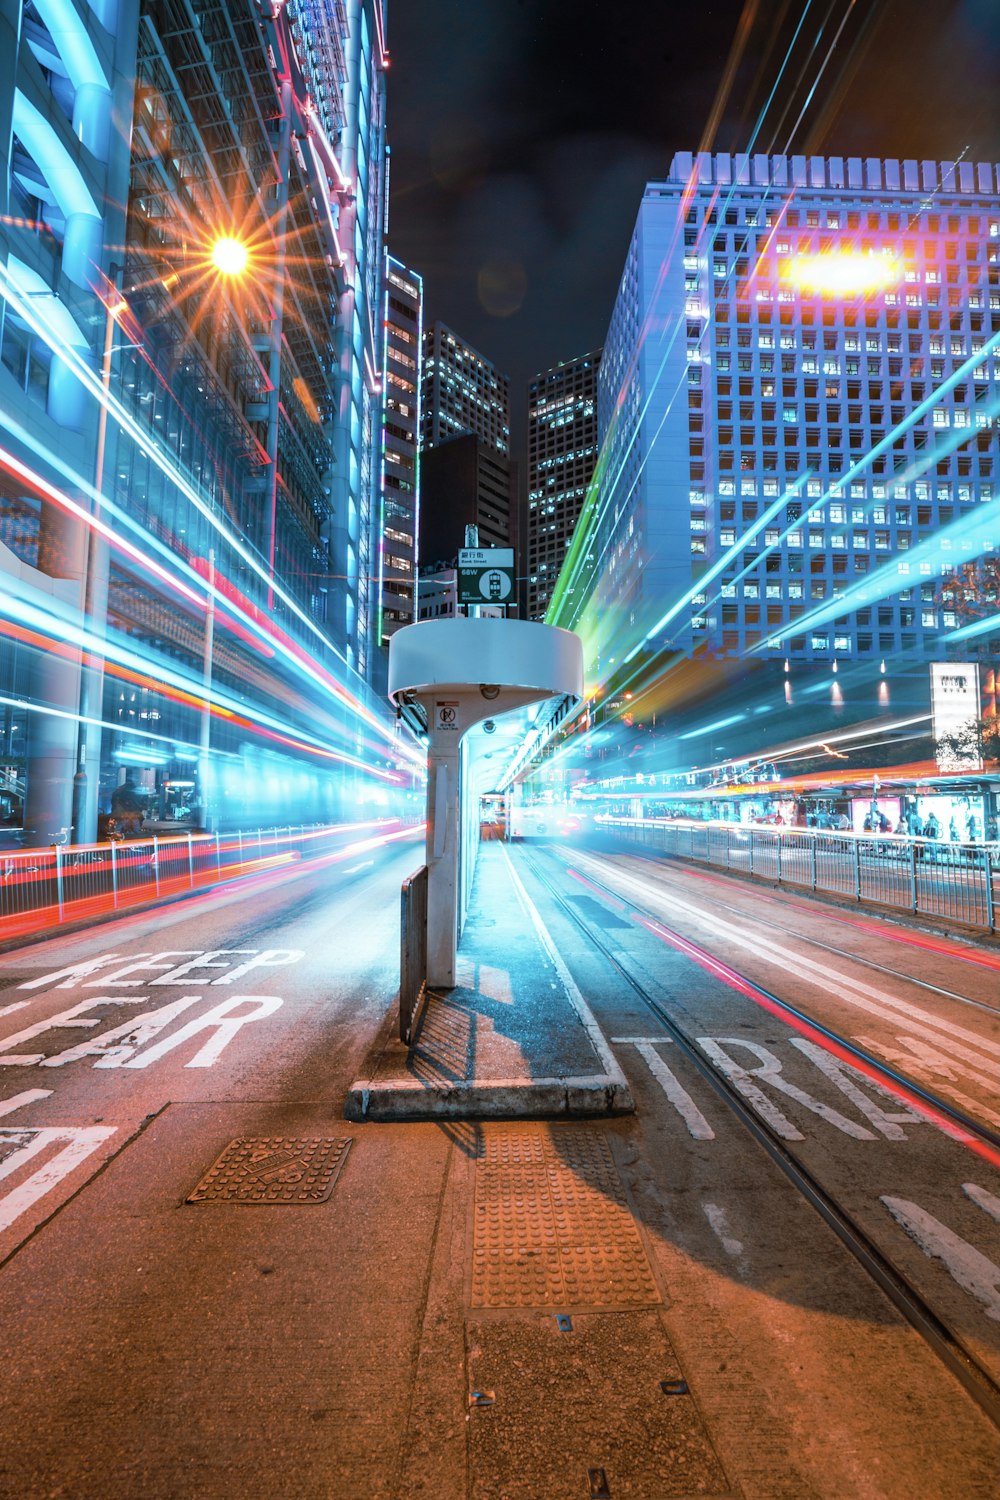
(749, 431)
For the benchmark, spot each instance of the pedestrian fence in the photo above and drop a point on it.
(40, 888)
(958, 882)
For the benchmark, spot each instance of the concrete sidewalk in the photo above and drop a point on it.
(514, 1039)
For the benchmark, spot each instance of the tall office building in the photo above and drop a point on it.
(400, 446)
(798, 405)
(190, 269)
(462, 392)
(465, 483)
(562, 454)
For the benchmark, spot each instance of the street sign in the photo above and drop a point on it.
(486, 575)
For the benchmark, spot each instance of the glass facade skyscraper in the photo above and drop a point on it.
(562, 454)
(462, 392)
(798, 405)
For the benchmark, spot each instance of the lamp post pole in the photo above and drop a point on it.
(205, 743)
(94, 595)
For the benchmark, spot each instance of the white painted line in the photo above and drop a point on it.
(616, 1078)
(973, 1271)
(30, 1096)
(866, 997)
(716, 1217)
(6, 1010)
(364, 865)
(698, 1127)
(988, 1202)
(768, 1070)
(81, 1144)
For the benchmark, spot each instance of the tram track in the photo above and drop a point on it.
(869, 963)
(978, 1381)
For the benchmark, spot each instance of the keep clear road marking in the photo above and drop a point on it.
(117, 1048)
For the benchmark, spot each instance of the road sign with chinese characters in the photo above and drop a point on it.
(486, 575)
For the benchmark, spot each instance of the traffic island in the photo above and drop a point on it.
(512, 1039)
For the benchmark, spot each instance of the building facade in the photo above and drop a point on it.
(562, 455)
(465, 483)
(398, 558)
(462, 392)
(196, 509)
(798, 403)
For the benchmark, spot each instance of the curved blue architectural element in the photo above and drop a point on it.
(67, 399)
(78, 56)
(83, 237)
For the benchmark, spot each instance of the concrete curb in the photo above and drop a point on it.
(400, 1099)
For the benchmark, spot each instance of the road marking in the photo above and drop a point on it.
(865, 997)
(268, 958)
(80, 974)
(7, 1010)
(75, 1016)
(974, 1272)
(113, 1048)
(988, 1202)
(697, 1126)
(716, 1217)
(220, 1019)
(80, 1143)
(70, 975)
(142, 961)
(769, 1071)
(362, 866)
(844, 1076)
(924, 1062)
(30, 1096)
(116, 1048)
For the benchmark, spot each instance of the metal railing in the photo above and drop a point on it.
(958, 882)
(412, 953)
(58, 883)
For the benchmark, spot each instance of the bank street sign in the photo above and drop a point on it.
(486, 575)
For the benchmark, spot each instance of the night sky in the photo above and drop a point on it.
(522, 134)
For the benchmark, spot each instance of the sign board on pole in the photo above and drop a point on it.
(955, 709)
(486, 575)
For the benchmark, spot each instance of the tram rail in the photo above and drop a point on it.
(855, 957)
(976, 1378)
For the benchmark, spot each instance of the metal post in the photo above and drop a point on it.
(218, 857)
(780, 838)
(750, 869)
(190, 863)
(156, 862)
(812, 842)
(857, 869)
(205, 736)
(59, 880)
(114, 875)
(913, 876)
(990, 907)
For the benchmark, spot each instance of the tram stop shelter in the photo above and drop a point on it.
(483, 691)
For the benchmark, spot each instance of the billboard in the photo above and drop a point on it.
(955, 708)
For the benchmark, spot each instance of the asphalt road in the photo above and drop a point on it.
(163, 1348)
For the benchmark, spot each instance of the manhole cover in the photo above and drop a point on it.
(553, 1225)
(274, 1169)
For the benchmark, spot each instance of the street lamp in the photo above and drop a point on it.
(230, 256)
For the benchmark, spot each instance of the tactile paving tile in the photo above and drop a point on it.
(274, 1169)
(552, 1223)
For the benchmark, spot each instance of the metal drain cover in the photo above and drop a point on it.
(553, 1224)
(274, 1169)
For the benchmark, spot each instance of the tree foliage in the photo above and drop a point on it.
(973, 590)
